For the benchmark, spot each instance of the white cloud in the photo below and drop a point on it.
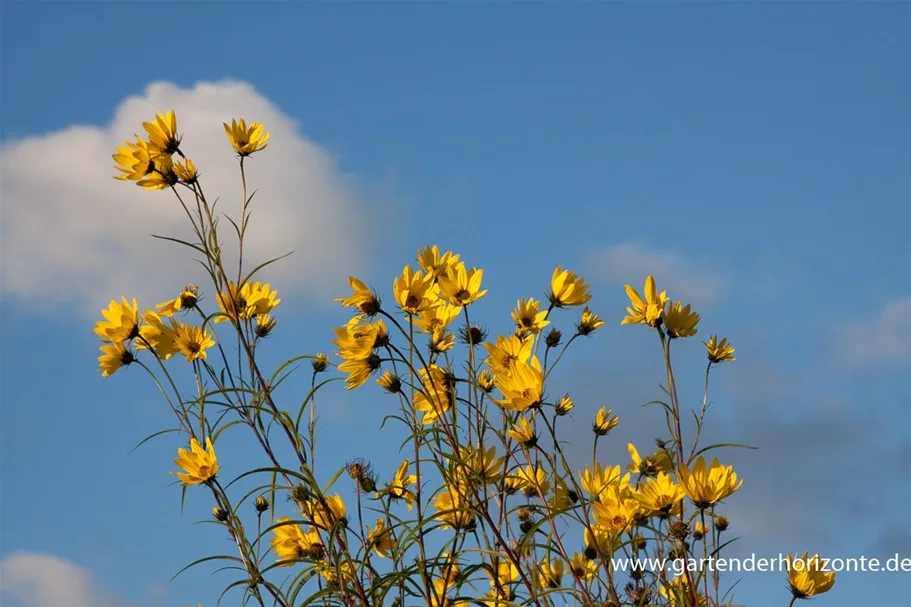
(691, 280)
(40, 580)
(880, 339)
(73, 234)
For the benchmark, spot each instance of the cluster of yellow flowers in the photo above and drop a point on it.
(497, 496)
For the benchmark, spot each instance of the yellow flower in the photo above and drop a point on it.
(186, 171)
(359, 370)
(460, 286)
(595, 481)
(708, 486)
(549, 574)
(162, 175)
(246, 140)
(651, 465)
(679, 321)
(617, 509)
(113, 356)
(398, 487)
(324, 515)
(163, 138)
(605, 421)
(719, 351)
(454, 510)
(381, 539)
(523, 433)
(582, 568)
(434, 399)
(657, 496)
(192, 341)
(646, 312)
(677, 590)
(601, 539)
(699, 531)
(523, 388)
(155, 335)
(332, 574)
(441, 341)
(245, 303)
(532, 480)
(567, 289)
(185, 301)
(433, 263)
(121, 322)
(564, 405)
(264, 326)
(133, 160)
(563, 497)
(361, 298)
(199, 465)
(508, 352)
(291, 543)
(806, 576)
(437, 318)
(486, 381)
(528, 316)
(390, 382)
(484, 465)
(589, 322)
(413, 291)
(357, 340)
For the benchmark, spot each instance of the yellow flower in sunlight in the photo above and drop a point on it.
(508, 352)
(600, 540)
(564, 405)
(185, 301)
(362, 298)
(437, 318)
(605, 421)
(677, 590)
(414, 292)
(359, 370)
(342, 575)
(658, 495)
(617, 509)
(291, 543)
(381, 539)
(707, 486)
(398, 487)
(532, 480)
(529, 317)
(161, 176)
(484, 465)
(454, 509)
(549, 574)
(390, 382)
(699, 531)
(646, 312)
(163, 138)
(155, 335)
(434, 398)
(719, 351)
(486, 381)
(567, 289)
(523, 432)
(186, 171)
(595, 481)
(357, 340)
(435, 264)
(523, 388)
(659, 461)
(113, 356)
(133, 160)
(461, 286)
(582, 568)
(324, 514)
(246, 139)
(199, 465)
(441, 341)
(807, 576)
(121, 322)
(589, 323)
(679, 321)
(245, 303)
(192, 341)
(265, 323)
(563, 497)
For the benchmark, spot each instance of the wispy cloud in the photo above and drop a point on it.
(693, 280)
(73, 235)
(41, 580)
(878, 339)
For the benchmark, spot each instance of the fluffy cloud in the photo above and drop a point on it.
(73, 235)
(882, 338)
(682, 277)
(39, 580)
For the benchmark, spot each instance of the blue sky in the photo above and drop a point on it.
(752, 155)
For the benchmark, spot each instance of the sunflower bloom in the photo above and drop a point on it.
(679, 321)
(121, 322)
(648, 311)
(398, 486)
(484, 465)
(434, 399)
(435, 264)
(246, 139)
(529, 317)
(523, 388)
(461, 286)
(185, 301)
(651, 465)
(291, 543)
(437, 318)
(453, 508)
(162, 175)
(658, 495)
(595, 481)
(413, 291)
(806, 576)
(567, 289)
(199, 465)
(508, 352)
(707, 486)
(523, 433)
(361, 298)
(186, 171)
(163, 138)
(582, 568)
(589, 323)
(381, 539)
(192, 341)
(605, 421)
(719, 351)
(113, 356)
(154, 334)
(549, 574)
(133, 160)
